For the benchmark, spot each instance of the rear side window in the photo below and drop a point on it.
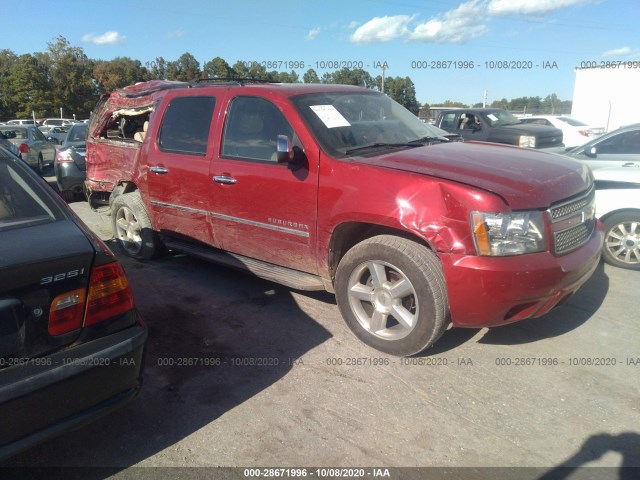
(22, 202)
(186, 124)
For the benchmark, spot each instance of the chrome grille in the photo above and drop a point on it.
(572, 207)
(573, 222)
(572, 238)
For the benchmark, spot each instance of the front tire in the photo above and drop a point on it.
(392, 294)
(132, 227)
(622, 240)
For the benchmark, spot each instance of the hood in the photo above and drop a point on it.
(524, 178)
(538, 130)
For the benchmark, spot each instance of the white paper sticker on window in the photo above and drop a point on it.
(492, 117)
(331, 117)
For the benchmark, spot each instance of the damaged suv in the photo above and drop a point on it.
(339, 188)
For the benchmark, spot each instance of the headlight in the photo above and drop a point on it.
(502, 234)
(527, 141)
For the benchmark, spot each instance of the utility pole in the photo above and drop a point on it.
(384, 67)
(484, 98)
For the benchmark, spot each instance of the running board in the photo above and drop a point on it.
(268, 271)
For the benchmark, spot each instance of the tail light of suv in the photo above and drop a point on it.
(107, 297)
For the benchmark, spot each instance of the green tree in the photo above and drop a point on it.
(157, 69)
(310, 76)
(284, 77)
(217, 68)
(70, 72)
(118, 73)
(7, 59)
(403, 91)
(29, 88)
(185, 69)
(347, 76)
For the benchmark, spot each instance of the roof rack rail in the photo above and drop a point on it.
(227, 81)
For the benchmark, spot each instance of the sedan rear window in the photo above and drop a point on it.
(22, 202)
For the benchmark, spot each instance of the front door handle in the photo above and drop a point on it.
(629, 164)
(158, 170)
(224, 180)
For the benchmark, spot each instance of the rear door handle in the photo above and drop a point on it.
(629, 164)
(224, 180)
(158, 170)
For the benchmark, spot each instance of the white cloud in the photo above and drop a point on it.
(313, 33)
(108, 38)
(176, 33)
(530, 7)
(382, 29)
(617, 52)
(455, 26)
(353, 24)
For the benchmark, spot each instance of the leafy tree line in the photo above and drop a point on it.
(64, 80)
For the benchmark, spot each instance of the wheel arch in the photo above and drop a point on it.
(348, 234)
(607, 215)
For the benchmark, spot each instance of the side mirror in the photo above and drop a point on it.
(284, 149)
(591, 152)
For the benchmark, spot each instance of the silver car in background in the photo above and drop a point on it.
(33, 146)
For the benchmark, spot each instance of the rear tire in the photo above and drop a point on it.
(622, 240)
(392, 294)
(132, 227)
(40, 167)
(68, 195)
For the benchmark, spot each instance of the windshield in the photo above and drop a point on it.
(346, 122)
(500, 118)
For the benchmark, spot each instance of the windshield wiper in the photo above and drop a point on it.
(424, 140)
(380, 145)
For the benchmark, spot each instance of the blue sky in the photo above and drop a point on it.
(409, 36)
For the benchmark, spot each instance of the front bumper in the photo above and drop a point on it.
(49, 395)
(491, 291)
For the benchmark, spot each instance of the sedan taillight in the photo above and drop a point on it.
(64, 156)
(24, 148)
(109, 296)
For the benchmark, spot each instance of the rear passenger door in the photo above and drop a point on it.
(261, 208)
(178, 162)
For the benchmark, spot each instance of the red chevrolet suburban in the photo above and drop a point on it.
(339, 188)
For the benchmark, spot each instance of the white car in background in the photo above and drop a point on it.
(574, 132)
(618, 207)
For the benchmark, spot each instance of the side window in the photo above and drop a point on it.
(186, 124)
(37, 135)
(625, 143)
(252, 128)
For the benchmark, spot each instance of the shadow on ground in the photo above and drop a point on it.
(217, 338)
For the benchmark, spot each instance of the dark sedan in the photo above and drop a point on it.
(70, 167)
(71, 340)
